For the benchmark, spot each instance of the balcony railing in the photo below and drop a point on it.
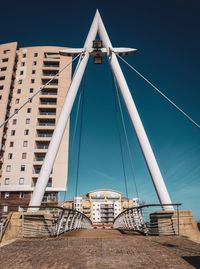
(44, 135)
(41, 146)
(46, 113)
(46, 124)
(51, 64)
(39, 159)
(47, 73)
(53, 82)
(107, 206)
(48, 93)
(48, 102)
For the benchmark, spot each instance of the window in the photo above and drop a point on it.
(7, 194)
(22, 169)
(20, 81)
(18, 91)
(34, 63)
(5, 207)
(8, 168)
(24, 155)
(35, 54)
(33, 71)
(31, 90)
(32, 80)
(21, 72)
(25, 144)
(3, 68)
(20, 209)
(21, 194)
(21, 180)
(7, 181)
(29, 110)
(24, 55)
(0, 97)
(22, 63)
(2, 78)
(27, 121)
(26, 132)
(11, 144)
(1, 87)
(17, 101)
(10, 155)
(14, 122)
(16, 110)
(13, 132)
(6, 51)
(5, 60)
(49, 183)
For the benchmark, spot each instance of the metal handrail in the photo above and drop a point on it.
(60, 221)
(137, 219)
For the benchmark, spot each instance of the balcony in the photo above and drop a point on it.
(52, 63)
(39, 157)
(49, 91)
(47, 111)
(86, 211)
(48, 101)
(41, 145)
(36, 169)
(107, 211)
(54, 82)
(45, 133)
(49, 73)
(46, 122)
(107, 206)
(107, 216)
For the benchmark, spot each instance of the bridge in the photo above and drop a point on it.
(98, 249)
(66, 238)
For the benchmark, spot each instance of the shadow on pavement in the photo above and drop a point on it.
(193, 260)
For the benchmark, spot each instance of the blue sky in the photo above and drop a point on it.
(167, 36)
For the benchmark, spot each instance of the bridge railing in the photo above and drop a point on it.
(52, 221)
(149, 219)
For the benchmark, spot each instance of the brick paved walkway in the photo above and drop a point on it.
(101, 249)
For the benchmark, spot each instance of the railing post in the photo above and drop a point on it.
(178, 220)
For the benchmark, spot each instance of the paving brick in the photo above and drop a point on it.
(100, 249)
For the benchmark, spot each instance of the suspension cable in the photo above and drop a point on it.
(120, 141)
(80, 136)
(74, 135)
(76, 121)
(161, 93)
(126, 136)
(41, 88)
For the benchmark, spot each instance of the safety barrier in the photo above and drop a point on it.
(149, 219)
(52, 221)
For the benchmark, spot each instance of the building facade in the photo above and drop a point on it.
(26, 137)
(103, 206)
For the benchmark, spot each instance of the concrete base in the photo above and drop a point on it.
(15, 228)
(175, 222)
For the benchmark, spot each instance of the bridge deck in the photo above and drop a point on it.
(100, 249)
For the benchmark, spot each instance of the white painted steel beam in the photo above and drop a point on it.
(153, 167)
(98, 26)
(47, 166)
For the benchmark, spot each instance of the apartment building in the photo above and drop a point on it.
(26, 137)
(102, 206)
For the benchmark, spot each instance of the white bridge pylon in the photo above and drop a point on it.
(98, 27)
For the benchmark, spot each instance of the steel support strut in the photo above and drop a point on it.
(47, 166)
(98, 26)
(150, 159)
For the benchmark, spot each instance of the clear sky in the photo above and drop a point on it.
(167, 36)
